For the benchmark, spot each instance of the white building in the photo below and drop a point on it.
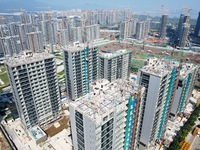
(99, 120)
(81, 69)
(114, 64)
(65, 37)
(92, 32)
(35, 88)
(185, 87)
(34, 41)
(76, 34)
(10, 45)
(159, 77)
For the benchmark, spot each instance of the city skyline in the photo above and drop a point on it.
(101, 75)
(150, 7)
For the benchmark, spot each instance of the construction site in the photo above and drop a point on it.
(142, 52)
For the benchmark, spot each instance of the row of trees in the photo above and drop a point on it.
(181, 135)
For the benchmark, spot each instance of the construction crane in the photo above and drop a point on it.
(164, 10)
(186, 10)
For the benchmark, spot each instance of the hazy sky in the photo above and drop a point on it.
(173, 7)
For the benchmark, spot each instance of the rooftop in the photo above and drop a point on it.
(77, 47)
(113, 53)
(159, 67)
(104, 97)
(186, 69)
(26, 57)
(80, 46)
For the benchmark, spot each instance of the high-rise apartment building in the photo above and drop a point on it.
(13, 28)
(163, 26)
(114, 64)
(106, 17)
(184, 89)
(10, 45)
(197, 28)
(34, 41)
(159, 78)
(35, 88)
(128, 28)
(65, 38)
(92, 32)
(76, 34)
(99, 120)
(141, 30)
(183, 19)
(4, 31)
(49, 31)
(23, 29)
(27, 18)
(81, 69)
(184, 35)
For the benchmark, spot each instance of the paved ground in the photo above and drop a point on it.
(196, 144)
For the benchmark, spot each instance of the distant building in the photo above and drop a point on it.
(27, 18)
(127, 28)
(35, 42)
(106, 118)
(182, 20)
(185, 87)
(92, 32)
(65, 38)
(159, 77)
(13, 28)
(106, 17)
(35, 88)
(23, 29)
(163, 26)
(81, 69)
(4, 31)
(184, 35)
(10, 45)
(49, 31)
(76, 34)
(114, 64)
(197, 29)
(140, 30)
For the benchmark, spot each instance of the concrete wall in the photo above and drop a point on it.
(150, 108)
(73, 127)
(176, 101)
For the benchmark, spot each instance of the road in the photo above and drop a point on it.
(196, 144)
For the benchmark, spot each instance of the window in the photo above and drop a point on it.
(111, 114)
(105, 118)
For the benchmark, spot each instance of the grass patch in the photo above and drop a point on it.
(4, 78)
(61, 73)
(9, 116)
(59, 57)
(62, 78)
(3, 69)
(196, 87)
